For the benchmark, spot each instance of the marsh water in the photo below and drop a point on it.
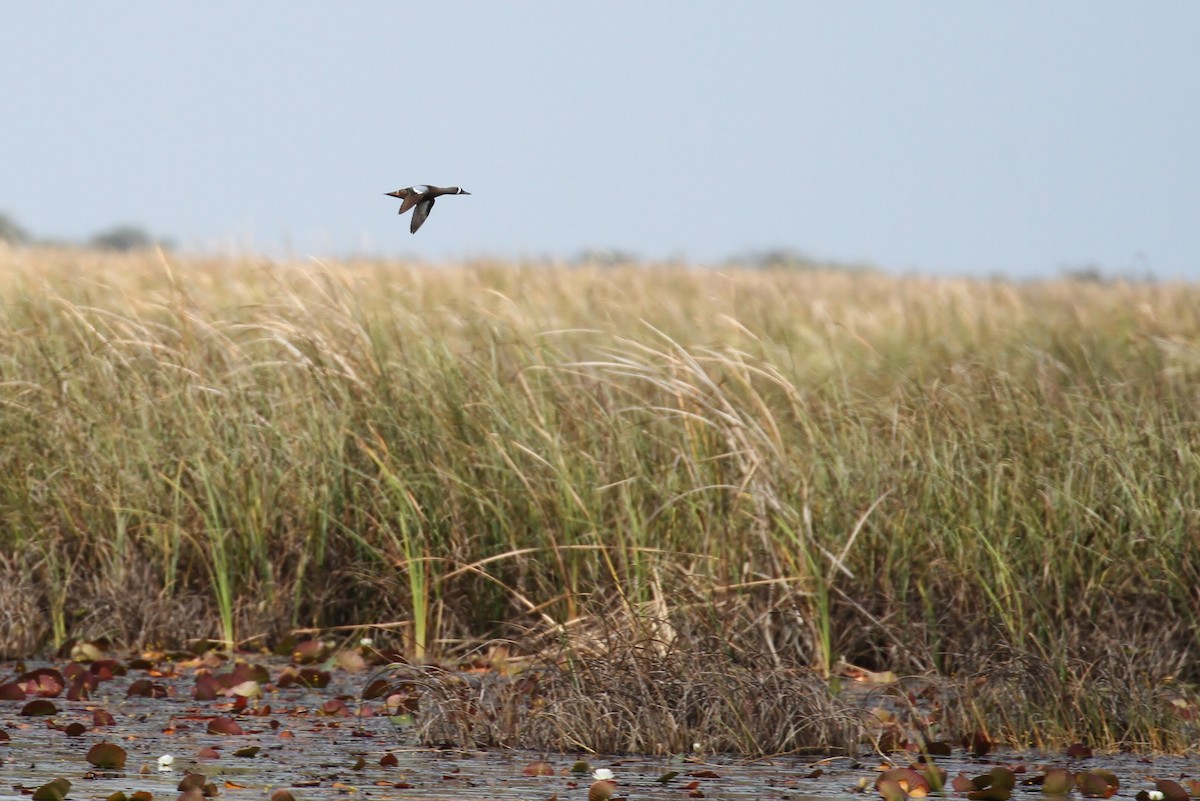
(319, 750)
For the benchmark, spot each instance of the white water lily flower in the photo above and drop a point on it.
(165, 762)
(602, 775)
(1155, 795)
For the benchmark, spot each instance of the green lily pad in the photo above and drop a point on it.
(55, 790)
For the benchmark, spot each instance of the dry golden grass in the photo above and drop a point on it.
(902, 473)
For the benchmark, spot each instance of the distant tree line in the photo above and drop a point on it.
(120, 238)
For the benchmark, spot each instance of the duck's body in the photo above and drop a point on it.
(420, 198)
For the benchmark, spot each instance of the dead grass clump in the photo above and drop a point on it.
(138, 609)
(23, 626)
(640, 696)
(1026, 700)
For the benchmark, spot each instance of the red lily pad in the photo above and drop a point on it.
(538, 769)
(263, 711)
(81, 687)
(45, 682)
(978, 744)
(1097, 783)
(39, 707)
(1078, 751)
(938, 748)
(1171, 791)
(603, 790)
(106, 669)
(192, 781)
(146, 689)
(107, 755)
(309, 651)
(335, 707)
(75, 729)
(247, 671)
(12, 692)
(282, 795)
(101, 717)
(962, 783)
(906, 780)
(224, 726)
(206, 688)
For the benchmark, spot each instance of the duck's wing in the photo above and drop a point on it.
(420, 213)
(409, 197)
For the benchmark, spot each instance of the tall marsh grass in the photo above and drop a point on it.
(915, 474)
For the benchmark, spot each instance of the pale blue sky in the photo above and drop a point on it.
(947, 137)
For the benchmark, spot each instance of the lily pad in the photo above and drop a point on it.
(206, 688)
(192, 781)
(146, 689)
(39, 707)
(1058, 781)
(995, 785)
(107, 755)
(601, 790)
(335, 707)
(890, 790)
(46, 682)
(1097, 783)
(1171, 790)
(907, 780)
(55, 790)
(224, 726)
(309, 651)
(938, 748)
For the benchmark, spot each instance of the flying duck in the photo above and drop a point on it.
(422, 196)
